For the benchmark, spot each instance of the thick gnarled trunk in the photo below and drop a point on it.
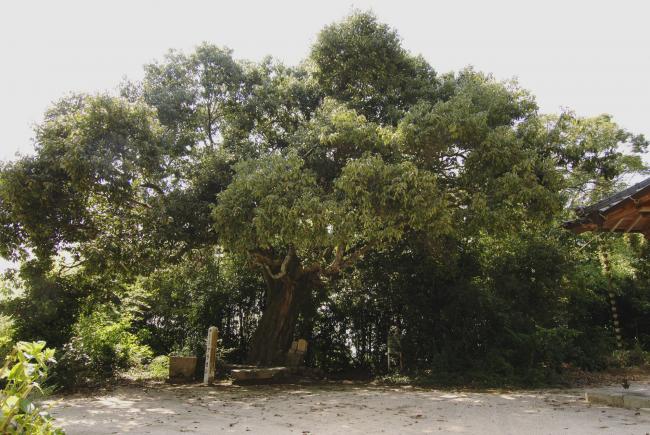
(287, 293)
(274, 334)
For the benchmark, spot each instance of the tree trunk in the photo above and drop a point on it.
(274, 334)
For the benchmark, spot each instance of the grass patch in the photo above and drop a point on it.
(156, 370)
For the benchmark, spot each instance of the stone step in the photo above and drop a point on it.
(227, 366)
(259, 374)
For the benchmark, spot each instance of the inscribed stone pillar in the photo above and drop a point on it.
(210, 355)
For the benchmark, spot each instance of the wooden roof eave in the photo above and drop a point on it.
(626, 211)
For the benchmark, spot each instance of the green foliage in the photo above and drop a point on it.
(383, 201)
(45, 304)
(7, 334)
(635, 357)
(78, 145)
(159, 367)
(181, 302)
(23, 373)
(276, 202)
(156, 370)
(192, 92)
(362, 61)
(102, 344)
(372, 189)
(107, 340)
(271, 202)
(590, 154)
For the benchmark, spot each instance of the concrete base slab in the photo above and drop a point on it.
(259, 374)
(635, 398)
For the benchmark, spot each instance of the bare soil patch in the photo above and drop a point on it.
(337, 408)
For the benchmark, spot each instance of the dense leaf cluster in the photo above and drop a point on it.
(356, 191)
(22, 374)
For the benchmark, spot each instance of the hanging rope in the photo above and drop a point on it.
(612, 297)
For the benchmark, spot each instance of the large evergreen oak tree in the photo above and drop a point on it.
(303, 170)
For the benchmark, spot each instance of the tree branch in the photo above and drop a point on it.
(266, 263)
(315, 267)
(209, 123)
(136, 202)
(65, 267)
(260, 257)
(340, 263)
(338, 258)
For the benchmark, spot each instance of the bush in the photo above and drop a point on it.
(101, 346)
(109, 343)
(635, 357)
(158, 368)
(7, 333)
(24, 371)
(75, 367)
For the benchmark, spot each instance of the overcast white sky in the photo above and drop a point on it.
(591, 56)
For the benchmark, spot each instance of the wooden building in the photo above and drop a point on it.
(627, 211)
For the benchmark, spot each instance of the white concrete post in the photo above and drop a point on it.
(210, 355)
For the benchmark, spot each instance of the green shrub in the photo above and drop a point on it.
(24, 371)
(159, 367)
(102, 345)
(634, 357)
(554, 346)
(156, 370)
(109, 342)
(637, 356)
(396, 379)
(7, 333)
(75, 367)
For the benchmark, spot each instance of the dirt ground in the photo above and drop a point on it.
(337, 408)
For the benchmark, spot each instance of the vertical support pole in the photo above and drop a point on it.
(210, 355)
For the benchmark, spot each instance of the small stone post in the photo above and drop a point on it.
(296, 355)
(210, 355)
(394, 345)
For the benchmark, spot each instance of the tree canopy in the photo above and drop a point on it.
(363, 153)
